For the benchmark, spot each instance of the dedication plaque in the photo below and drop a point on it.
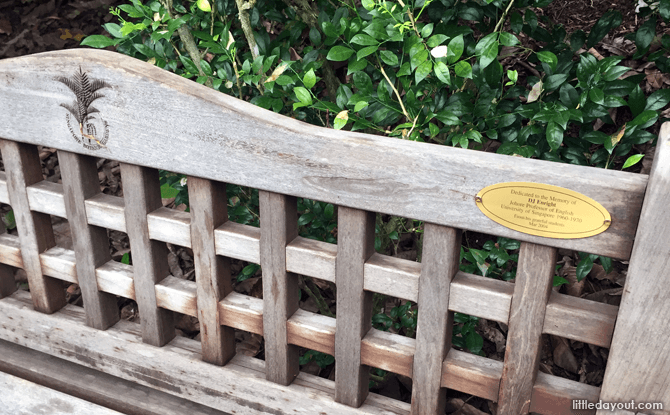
(543, 210)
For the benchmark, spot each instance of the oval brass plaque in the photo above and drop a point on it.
(543, 210)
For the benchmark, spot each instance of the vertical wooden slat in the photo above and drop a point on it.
(279, 226)
(7, 283)
(141, 191)
(439, 264)
(532, 287)
(355, 245)
(91, 244)
(638, 367)
(212, 273)
(22, 167)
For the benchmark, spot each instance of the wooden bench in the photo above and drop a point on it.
(150, 119)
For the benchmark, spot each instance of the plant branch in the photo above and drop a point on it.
(502, 18)
(397, 94)
(313, 291)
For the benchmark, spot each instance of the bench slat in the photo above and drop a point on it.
(212, 272)
(279, 226)
(91, 243)
(35, 231)
(141, 192)
(532, 287)
(440, 261)
(355, 245)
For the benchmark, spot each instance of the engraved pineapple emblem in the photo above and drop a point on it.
(87, 128)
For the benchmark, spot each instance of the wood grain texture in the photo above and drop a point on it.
(579, 319)
(312, 331)
(283, 155)
(47, 197)
(481, 296)
(11, 250)
(392, 276)
(355, 245)
(142, 196)
(312, 258)
(242, 312)
(4, 195)
(439, 264)
(212, 272)
(532, 287)
(177, 295)
(20, 396)
(171, 226)
(473, 374)
(239, 387)
(91, 243)
(106, 211)
(553, 395)
(388, 351)
(92, 385)
(118, 279)
(279, 226)
(238, 241)
(36, 235)
(60, 263)
(639, 361)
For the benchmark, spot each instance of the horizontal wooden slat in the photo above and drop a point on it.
(4, 196)
(238, 241)
(59, 263)
(177, 294)
(106, 211)
(23, 397)
(473, 374)
(392, 276)
(480, 296)
(312, 258)
(312, 331)
(47, 197)
(170, 225)
(580, 319)
(242, 312)
(388, 351)
(116, 278)
(268, 151)
(10, 250)
(175, 368)
(553, 395)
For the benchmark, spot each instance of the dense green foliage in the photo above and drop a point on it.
(425, 70)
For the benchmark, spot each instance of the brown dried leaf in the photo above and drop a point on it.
(250, 345)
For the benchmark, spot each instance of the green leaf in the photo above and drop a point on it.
(388, 57)
(632, 160)
(577, 40)
(569, 96)
(614, 72)
(113, 29)
(364, 40)
(516, 22)
(487, 49)
(442, 73)
(531, 18)
(98, 41)
(554, 135)
(597, 95)
(607, 22)
(422, 71)
(168, 192)
(369, 50)
(548, 58)
(356, 65)
(368, 4)
(658, 99)
(644, 118)
(427, 30)
(303, 95)
(645, 34)
(125, 259)
(305, 218)
(284, 80)
(463, 69)
(448, 117)
(554, 81)
(664, 9)
(204, 5)
(188, 64)
(360, 105)
(419, 58)
(508, 39)
(341, 120)
(328, 211)
(339, 53)
(584, 267)
(310, 79)
(637, 101)
(436, 40)
(474, 341)
(315, 36)
(455, 49)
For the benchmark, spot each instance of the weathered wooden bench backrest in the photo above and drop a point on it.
(150, 119)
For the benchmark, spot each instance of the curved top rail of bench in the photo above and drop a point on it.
(154, 118)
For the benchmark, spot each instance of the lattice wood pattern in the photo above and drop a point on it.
(245, 145)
